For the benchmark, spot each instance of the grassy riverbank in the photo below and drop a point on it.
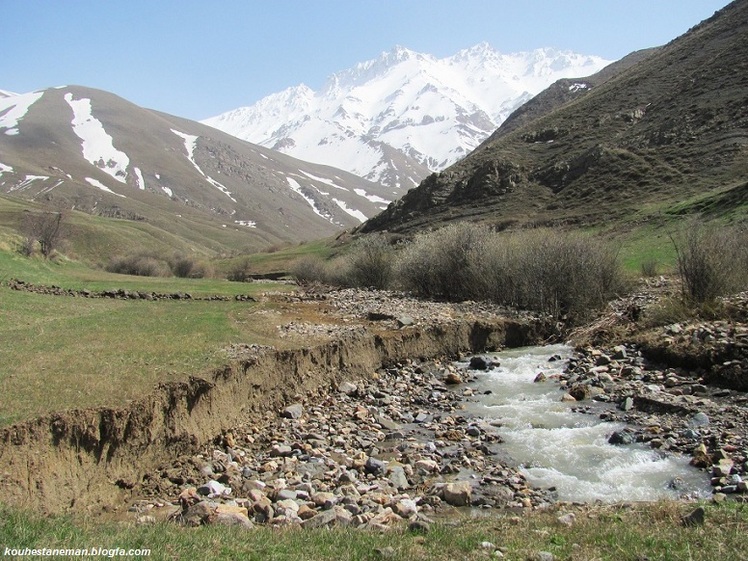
(615, 533)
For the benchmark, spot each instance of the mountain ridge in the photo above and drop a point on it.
(646, 138)
(395, 118)
(94, 151)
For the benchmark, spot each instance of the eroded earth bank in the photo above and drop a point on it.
(369, 427)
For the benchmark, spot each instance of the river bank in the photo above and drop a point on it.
(397, 445)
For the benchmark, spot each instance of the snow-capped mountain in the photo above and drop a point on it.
(397, 118)
(93, 151)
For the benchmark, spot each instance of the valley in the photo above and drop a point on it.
(523, 336)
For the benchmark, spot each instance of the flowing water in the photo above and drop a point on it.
(561, 448)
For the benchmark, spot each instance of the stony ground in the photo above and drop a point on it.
(399, 448)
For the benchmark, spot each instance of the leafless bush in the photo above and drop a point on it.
(189, 267)
(564, 275)
(241, 271)
(369, 264)
(142, 265)
(446, 263)
(712, 261)
(43, 228)
(309, 269)
(649, 267)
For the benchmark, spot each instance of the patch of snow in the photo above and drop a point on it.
(247, 223)
(27, 181)
(99, 185)
(296, 188)
(353, 212)
(14, 108)
(48, 189)
(372, 198)
(5, 169)
(98, 146)
(139, 178)
(190, 142)
(167, 191)
(325, 180)
(575, 87)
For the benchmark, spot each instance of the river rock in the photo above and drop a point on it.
(694, 518)
(374, 466)
(621, 438)
(478, 363)
(699, 420)
(405, 508)
(627, 404)
(457, 493)
(452, 378)
(213, 489)
(348, 388)
(398, 478)
(229, 515)
(281, 450)
(198, 514)
(294, 411)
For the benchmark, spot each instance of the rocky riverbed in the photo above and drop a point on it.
(398, 446)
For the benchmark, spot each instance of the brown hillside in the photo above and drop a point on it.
(659, 128)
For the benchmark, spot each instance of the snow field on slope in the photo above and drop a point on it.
(190, 142)
(14, 108)
(97, 145)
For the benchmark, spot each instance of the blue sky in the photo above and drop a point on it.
(197, 59)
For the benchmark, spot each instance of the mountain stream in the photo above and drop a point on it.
(560, 448)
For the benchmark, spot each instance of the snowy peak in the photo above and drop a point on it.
(398, 117)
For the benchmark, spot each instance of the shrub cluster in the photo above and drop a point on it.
(146, 264)
(712, 261)
(565, 275)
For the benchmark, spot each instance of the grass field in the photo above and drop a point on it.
(604, 533)
(59, 352)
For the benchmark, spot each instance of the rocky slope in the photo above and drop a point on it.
(666, 135)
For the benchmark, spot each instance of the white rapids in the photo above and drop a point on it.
(561, 448)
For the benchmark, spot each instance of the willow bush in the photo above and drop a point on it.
(565, 275)
(447, 263)
(712, 261)
(561, 274)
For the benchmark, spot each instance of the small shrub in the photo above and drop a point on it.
(190, 268)
(446, 263)
(370, 264)
(42, 229)
(139, 265)
(649, 268)
(240, 272)
(565, 275)
(712, 261)
(309, 269)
